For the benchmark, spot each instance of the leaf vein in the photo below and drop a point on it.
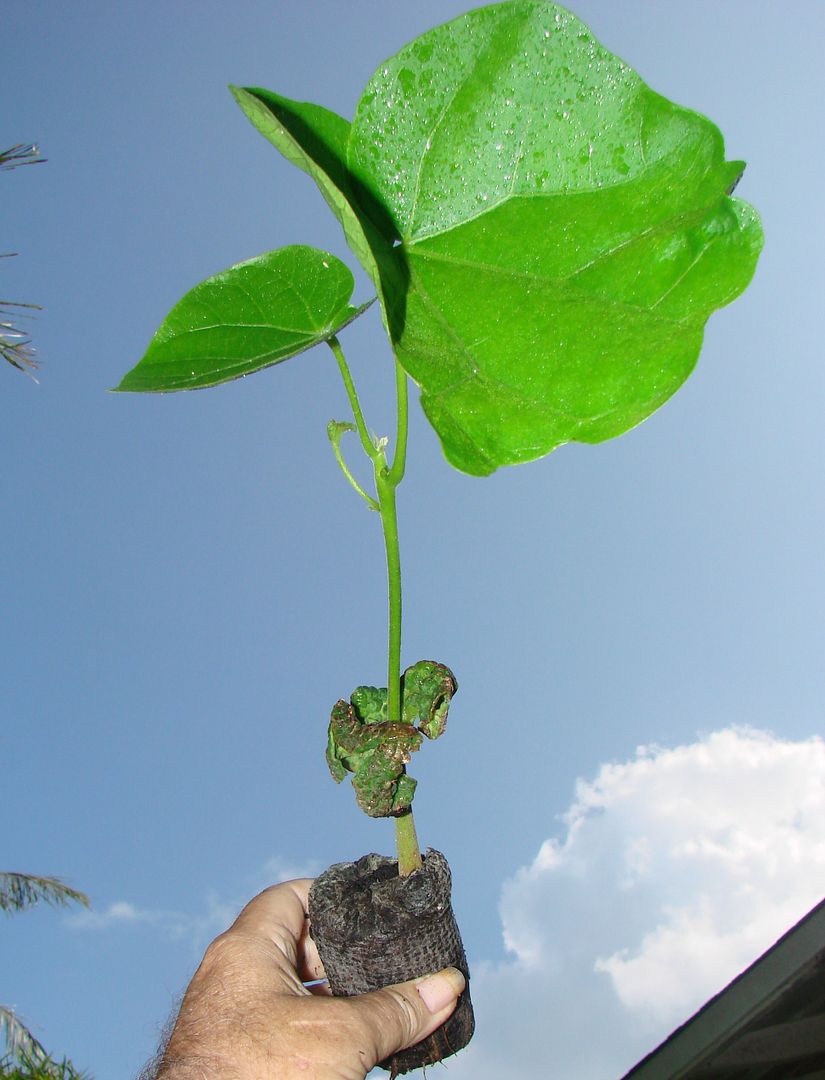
(562, 284)
(475, 373)
(246, 326)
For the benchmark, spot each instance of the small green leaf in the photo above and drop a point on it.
(370, 704)
(252, 315)
(565, 232)
(426, 691)
(376, 753)
(362, 741)
(337, 428)
(338, 748)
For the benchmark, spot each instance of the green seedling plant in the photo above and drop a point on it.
(546, 237)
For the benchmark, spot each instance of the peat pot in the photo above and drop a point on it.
(373, 928)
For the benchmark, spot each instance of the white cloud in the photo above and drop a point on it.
(199, 926)
(278, 869)
(120, 912)
(675, 871)
(672, 873)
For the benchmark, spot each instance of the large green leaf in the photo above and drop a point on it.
(252, 315)
(547, 235)
(565, 232)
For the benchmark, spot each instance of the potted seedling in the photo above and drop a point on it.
(546, 237)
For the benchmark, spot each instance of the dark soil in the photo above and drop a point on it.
(373, 928)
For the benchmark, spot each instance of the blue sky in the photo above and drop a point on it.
(189, 585)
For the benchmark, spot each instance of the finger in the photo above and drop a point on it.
(402, 1015)
(275, 914)
(309, 964)
(279, 914)
(279, 906)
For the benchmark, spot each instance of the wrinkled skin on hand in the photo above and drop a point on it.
(362, 741)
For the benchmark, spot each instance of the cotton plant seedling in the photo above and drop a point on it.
(546, 237)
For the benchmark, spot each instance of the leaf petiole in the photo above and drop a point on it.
(370, 449)
(399, 460)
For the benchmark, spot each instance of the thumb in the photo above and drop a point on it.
(402, 1015)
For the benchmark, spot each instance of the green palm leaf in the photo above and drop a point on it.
(25, 1057)
(15, 346)
(18, 1040)
(21, 891)
(20, 154)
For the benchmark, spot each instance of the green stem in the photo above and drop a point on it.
(406, 843)
(389, 520)
(387, 479)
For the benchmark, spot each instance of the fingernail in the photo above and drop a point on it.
(439, 991)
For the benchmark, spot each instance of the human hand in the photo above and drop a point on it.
(247, 1014)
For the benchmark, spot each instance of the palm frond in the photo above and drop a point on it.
(21, 891)
(19, 1041)
(46, 1068)
(15, 345)
(25, 1058)
(20, 154)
